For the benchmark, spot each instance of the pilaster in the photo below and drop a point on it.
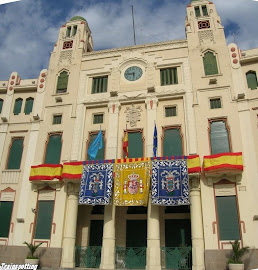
(196, 225)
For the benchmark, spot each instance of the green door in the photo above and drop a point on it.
(136, 242)
(93, 252)
(178, 243)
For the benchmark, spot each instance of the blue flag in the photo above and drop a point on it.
(95, 146)
(155, 141)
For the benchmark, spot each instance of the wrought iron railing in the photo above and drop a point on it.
(176, 258)
(131, 257)
(88, 257)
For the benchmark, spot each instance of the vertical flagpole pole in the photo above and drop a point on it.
(133, 27)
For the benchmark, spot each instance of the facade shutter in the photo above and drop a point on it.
(228, 218)
(99, 85)
(251, 80)
(17, 106)
(219, 137)
(15, 154)
(172, 142)
(101, 152)
(53, 151)
(210, 64)
(197, 11)
(168, 76)
(204, 11)
(6, 209)
(62, 82)
(28, 105)
(1, 105)
(135, 145)
(44, 220)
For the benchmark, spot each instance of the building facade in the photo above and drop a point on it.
(203, 96)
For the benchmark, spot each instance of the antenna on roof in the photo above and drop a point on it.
(133, 27)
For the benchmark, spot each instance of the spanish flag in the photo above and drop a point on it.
(125, 144)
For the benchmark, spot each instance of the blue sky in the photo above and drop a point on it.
(29, 28)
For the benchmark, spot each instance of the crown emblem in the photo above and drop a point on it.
(133, 176)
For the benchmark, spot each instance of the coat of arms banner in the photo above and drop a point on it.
(170, 185)
(131, 183)
(96, 184)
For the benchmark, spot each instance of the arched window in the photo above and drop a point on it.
(62, 82)
(251, 80)
(1, 104)
(28, 105)
(210, 64)
(17, 106)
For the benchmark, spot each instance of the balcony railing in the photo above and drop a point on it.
(176, 258)
(131, 257)
(87, 257)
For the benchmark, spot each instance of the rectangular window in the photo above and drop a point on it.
(99, 85)
(227, 218)
(57, 119)
(101, 152)
(168, 76)
(197, 11)
(68, 31)
(204, 11)
(170, 111)
(1, 105)
(44, 220)
(97, 118)
(74, 30)
(6, 209)
(219, 138)
(135, 145)
(172, 142)
(28, 105)
(53, 151)
(215, 103)
(17, 106)
(15, 154)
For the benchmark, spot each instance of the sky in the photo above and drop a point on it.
(29, 28)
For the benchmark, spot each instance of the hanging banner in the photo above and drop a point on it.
(170, 185)
(96, 184)
(132, 181)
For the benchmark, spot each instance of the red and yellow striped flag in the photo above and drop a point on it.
(46, 172)
(125, 144)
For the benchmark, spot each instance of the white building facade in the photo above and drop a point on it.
(203, 96)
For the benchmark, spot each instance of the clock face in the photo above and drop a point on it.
(133, 73)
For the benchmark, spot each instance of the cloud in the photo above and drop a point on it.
(29, 29)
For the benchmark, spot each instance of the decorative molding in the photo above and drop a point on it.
(133, 115)
(206, 36)
(65, 56)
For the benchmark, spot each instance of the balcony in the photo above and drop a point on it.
(10, 176)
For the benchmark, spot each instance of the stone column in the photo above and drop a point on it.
(153, 230)
(196, 226)
(68, 253)
(153, 238)
(108, 252)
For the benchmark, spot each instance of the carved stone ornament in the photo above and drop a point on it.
(133, 115)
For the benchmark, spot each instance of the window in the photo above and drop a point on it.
(101, 152)
(227, 218)
(168, 76)
(215, 103)
(172, 141)
(74, 30)
(15, 154)
(251, 80)
(68, 44)
(53, 151)
(44, 219)
(57, 119)
(204, 11)
(62, 82)
(210, 64)
(17, 106)
(1, 105)
(197, 11)
(219, 137)
(6, 209)
(68, 31)
(99, 85)
(135, 144)
(170, 111)
(97, 118)
(28, 105)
